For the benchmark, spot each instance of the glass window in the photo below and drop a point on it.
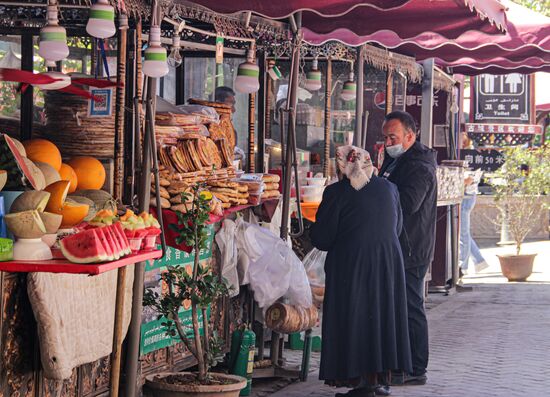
(10, 57)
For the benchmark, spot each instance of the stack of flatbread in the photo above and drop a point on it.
(271, 189)
(230, 193)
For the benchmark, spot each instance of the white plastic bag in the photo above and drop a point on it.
(314, 264)
(299, 291)
(225, 239)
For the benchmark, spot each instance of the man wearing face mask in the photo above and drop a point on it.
(412, 167)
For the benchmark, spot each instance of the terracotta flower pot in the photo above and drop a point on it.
(516, 267)
(158, 388)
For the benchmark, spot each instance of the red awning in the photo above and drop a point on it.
(527, 35)
(406, 18)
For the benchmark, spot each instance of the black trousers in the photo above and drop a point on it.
(418, 324)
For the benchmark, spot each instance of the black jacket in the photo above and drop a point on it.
(415, 177)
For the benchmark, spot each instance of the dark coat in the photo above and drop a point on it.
(415, 177)
(365, 326)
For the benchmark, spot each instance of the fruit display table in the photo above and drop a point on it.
(94, 269)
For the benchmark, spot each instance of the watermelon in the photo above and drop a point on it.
(84, 247)
(107, 243)
(117, 227)
(114, 239)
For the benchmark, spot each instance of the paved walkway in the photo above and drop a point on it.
(492, 341)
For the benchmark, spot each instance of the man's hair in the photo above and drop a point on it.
(405, 118)
(222, 93)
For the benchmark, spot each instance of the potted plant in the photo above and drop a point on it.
(521, 187)
(199, 288)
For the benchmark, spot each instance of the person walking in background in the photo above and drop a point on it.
(412, 167)
(365, 330)
(468, 248)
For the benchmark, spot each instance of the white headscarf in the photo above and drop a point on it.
(355, 164)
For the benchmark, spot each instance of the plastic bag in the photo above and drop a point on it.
(207, 114)
(225, 239)
(299, 291)
(314, 264)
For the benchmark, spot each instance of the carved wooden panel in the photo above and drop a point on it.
(57, 388)
(94, 377)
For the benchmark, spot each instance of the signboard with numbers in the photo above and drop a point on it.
(153, 333)
(485, 160)
(503, 99)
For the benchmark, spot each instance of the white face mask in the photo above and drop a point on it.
(395, 151)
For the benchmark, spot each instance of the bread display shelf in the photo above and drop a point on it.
(64, 266)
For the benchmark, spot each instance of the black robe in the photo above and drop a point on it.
(365, 309)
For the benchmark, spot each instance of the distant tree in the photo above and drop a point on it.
(542, 6)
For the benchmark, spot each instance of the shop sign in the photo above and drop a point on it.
(528, 129)
(102, 105)
(485, 160)
(502, 99)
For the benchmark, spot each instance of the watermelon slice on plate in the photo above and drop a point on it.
(84, 247)
(114, 240)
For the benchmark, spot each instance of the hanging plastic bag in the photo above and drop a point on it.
(225, 239)
(299, 291)
(314, 265)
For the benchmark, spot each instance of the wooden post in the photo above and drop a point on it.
(268, 104)
(251, 132)
(117, 334)
(328, 118)
(389, 92)
(120, 107)
(27, 100)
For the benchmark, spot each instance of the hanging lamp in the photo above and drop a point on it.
(349, 90)
(101, 23)
(175, 59)
(53, 38)
(313, 77)
(155, 64)
(248, 74)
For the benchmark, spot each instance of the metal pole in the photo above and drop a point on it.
(251, 133)
(357, 141)
(134, 332)
(263, 111)
(120, 107)
(328, 118)
(426, 119)
(27, 101)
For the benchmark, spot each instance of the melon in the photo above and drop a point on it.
(52, 222)
(3, 178)
(30, 200)
(19, 146)
(26, 224)
(67, 174)
(102, 199)
(58, 195)
(104, 238)
(50, 174)
(73, 214)
(37, 175)
(83, 247)
(90, 173)
(44, 151)
(83, 200)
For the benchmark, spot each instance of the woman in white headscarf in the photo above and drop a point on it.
(365, 330)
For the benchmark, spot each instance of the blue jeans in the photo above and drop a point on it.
(467, 244)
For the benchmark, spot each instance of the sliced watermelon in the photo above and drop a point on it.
(117, 227)
(114, 240)
(105, 240)
(141, 233)
(153, 231)
(84, 247)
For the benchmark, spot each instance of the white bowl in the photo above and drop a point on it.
(316, 181)
(312, 198)
(49, 239)
(313, 189)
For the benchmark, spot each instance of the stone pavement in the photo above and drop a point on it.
(493, 341)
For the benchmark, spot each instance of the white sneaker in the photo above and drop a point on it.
(481, 266)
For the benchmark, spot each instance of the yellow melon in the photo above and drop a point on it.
(89, 171)
(58, 193)
(67, 173)
(50, 174)
(73, 214)
(44, 151)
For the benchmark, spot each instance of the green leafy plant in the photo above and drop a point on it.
(202, 287)
(522, 188)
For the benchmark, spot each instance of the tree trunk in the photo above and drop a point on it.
(198, 344)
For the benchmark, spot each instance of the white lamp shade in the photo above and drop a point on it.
(349, 92)
(64, 81)
(155, 64)
(248, 78)
(101, 23)
(53, 43)
(313, 80)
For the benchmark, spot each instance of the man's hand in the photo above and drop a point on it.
(468, 181)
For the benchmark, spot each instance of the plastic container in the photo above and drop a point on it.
(149, 243)
(312, 198)
(135, 243)
(318, 181)
(312, 190)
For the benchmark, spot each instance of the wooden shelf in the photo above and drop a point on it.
(64, 266)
